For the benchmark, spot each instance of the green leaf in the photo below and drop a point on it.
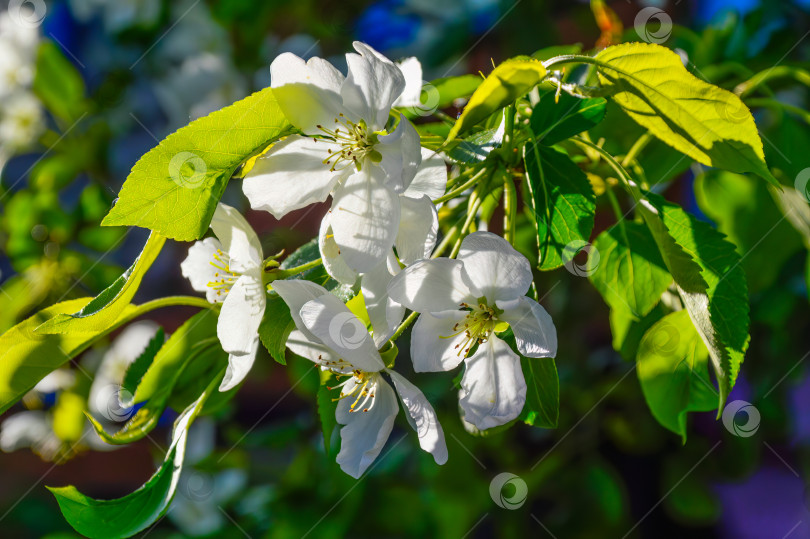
(710, 281)
(555, 119)
(138, 368)
(26, 357)
(190, 339)
(542, 408)
(562, 201)
(104, 308)
(673, 371)
(627, 329)
(124, 517)
(326, 412)
(507, 82)
(630, 275)
(276, 326)
(58, 84)
(175, 187)
(452, 88)
(709, 124)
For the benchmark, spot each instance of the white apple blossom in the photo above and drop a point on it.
(331, 336)
(228, 269)
(464, 304)
(415, 239)
(344, 151)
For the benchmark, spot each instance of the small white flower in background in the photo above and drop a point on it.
(345, 151)
(228, 269)
(19, 45)
(331, 336)
(464, 303)
(33, 429)
(415, 239)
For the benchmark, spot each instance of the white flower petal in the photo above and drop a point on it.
(412, 94)
(431, 177)
(365, 218)
(372, 85)
(422, 417)
(301, 344)
(495, 267)
(288, 68)
(290, 176)
(434, 342)
(307, 92)
(493, 390)
(197, 267)
(238, 239)
(364, 433)
(384, 313)
(241, 314)
(401, 155)
(333, 263)
(418, 229)
(239, 366)
(533, 327)
(339, 329)
(296, 293)
(431, 286)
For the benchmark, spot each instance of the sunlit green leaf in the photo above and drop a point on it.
(105, 307)
(710, 280)
(27, 357)
(673, 370)
(630, 275)
(175, 187)
(709, 124)
(507, 82)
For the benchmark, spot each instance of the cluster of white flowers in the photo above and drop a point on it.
(21, 115)
(378, 235)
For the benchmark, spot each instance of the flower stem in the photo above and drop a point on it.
(277, 273)
(629, 184)
(458, 190)
(403, 326)
(640, 143)
(509, 209)
(472, 211)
